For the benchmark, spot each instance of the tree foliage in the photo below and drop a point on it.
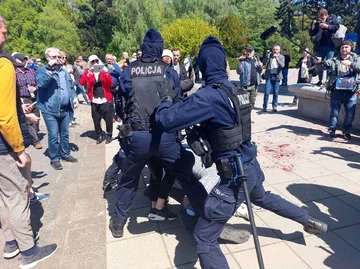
(285, 14)
(187, 34)
(233, 35)
(84, 27)
(56, 31)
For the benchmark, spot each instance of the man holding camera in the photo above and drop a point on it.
(274, 63)
(343, 71)
(56, 100)
(249, 68)
(323, 28)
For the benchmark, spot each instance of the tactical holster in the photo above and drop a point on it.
(125, 132)
(199, 144)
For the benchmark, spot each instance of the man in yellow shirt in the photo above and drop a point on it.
(14, 201)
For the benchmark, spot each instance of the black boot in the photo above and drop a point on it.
(107, 183)
(236, 236)
(101, 138)
(314, 226)
(108, 138)
(116, 229)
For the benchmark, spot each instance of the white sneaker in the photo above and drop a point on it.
(242, 212)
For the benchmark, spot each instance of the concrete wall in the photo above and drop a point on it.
(314, 104)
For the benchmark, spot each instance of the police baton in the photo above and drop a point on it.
(242, 178)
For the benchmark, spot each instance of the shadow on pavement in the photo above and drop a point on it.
(38, 174)
(91, 134)
(36, 213)
(309, 131)
(344, 154)
(73, 147)
(334, 218)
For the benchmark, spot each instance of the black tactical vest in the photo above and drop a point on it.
(146, 76)
(231, 137)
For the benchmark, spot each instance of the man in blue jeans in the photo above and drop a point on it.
(343, 70)
(285, 70)
(56, 100)
(323, 28)
(274, 63)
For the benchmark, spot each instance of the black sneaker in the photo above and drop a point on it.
(101, 138)
(57, 165)
(347, 135)
(274, 110)
(109, 183)
(161, 215)
(264, 109)
(332, 135)
(237, 236)
(315, 226)
(319, 83)
(108, 139)
(117, 229)
(70, 159)
(41, 253)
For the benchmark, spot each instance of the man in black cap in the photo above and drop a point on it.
(26, 82)
(249, 68)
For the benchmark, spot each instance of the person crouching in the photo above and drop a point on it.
(100, 96)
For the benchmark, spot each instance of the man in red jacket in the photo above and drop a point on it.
(100, 96)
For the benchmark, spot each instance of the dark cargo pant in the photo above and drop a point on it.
(221, 204)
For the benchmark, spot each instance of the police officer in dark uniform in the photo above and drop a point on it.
(224, 113)
(142, 139)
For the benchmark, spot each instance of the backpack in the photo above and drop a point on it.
(339, 36)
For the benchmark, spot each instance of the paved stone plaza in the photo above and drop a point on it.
(299, 163)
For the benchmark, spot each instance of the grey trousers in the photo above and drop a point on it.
(14, 203)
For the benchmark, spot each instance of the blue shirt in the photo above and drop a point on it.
(64, 93)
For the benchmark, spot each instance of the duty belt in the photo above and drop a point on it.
(140, 126)
(227, 168)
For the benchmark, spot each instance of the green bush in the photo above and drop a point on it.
(232, 62)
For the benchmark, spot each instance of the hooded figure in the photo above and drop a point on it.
(153, 44)
(152, 48)
(212, 60)
(224, 113)
(142, 139)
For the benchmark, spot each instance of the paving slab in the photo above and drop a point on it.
(326, 251)
(300, 163)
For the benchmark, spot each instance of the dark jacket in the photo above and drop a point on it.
(357, 30)
(186, 82)
(208, 105)
(152, 49)
(310, 63)
(332, 65)
(327, 34)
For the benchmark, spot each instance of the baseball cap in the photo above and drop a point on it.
(19, 56)
(250, 48)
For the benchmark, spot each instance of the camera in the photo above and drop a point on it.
(317, 23)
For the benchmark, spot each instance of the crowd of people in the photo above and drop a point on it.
(149, 94)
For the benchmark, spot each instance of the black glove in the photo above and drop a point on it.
(166, 88)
